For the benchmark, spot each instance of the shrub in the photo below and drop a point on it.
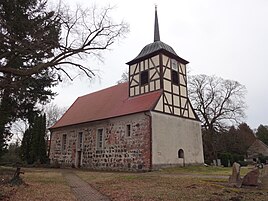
(236, 158)
(243, 163)
(225, 158)
(263, 159)
(229, 158)
(208, 162)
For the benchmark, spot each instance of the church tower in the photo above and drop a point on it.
(158, 67)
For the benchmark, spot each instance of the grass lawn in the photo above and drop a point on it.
(189, 183)
(202, 170)
(41, 184)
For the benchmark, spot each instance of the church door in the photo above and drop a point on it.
(79, 159)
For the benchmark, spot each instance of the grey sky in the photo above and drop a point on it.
(226, 38)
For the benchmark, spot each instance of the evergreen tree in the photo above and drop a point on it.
(234, 141)
(34, 146)
(246, 137)
(36, 46)
(26, 146)
(262, 134)
(12, 156)
(24, 25)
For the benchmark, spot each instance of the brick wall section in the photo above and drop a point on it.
(120, 152)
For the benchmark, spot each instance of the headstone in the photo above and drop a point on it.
(214, 162)
(251, 178)
(16, 179)
(235, 179)
(264, 178)
(219, 162)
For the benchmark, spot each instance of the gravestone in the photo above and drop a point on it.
(219, 162)
(264, 178)
(251, 178)
(214, 162)
(16, 179)
(235, 179)
(257, 177)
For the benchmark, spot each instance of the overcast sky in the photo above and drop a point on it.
(226, 38)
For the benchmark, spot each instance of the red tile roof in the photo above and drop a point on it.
(107, 103)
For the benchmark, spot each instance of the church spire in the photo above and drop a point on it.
(156, 27)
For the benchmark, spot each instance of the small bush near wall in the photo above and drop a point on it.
(263, 159)
(229, 158)
(236, 158)
(225, 158)
(244, 163)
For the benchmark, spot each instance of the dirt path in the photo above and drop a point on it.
(82, 190)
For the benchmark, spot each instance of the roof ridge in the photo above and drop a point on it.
(259, 141)
(101, 90)
(107, 103)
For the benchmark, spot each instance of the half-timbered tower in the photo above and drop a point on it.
(159, 67)
(145, 123)
(176, 132)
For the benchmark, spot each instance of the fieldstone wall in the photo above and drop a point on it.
(119, 152)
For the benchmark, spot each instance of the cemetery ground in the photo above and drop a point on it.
(180, 183)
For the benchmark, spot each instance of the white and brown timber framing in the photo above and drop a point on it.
(161, 61)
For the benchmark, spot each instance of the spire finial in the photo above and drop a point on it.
(156, 27)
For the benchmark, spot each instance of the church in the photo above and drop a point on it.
(143, 124)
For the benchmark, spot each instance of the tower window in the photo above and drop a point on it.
(144, 77)
(175, 77)
(174, 64)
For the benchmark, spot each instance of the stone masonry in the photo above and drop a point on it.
(119, 152)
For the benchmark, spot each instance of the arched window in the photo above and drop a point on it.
(180, 153)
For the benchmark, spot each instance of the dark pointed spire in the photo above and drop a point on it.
(156, 27)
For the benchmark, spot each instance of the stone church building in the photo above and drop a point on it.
(143, 124)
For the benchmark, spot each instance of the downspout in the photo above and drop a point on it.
(148, 114)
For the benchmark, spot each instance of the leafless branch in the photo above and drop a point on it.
(84, 32)
(218, 102)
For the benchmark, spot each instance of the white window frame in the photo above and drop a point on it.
(174, 64)
(98, 140)
(80, 143)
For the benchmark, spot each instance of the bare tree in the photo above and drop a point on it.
(53, 113)
(218, 102)
(124, 77)
(38, 46)
(18, 129)
(84, 32)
